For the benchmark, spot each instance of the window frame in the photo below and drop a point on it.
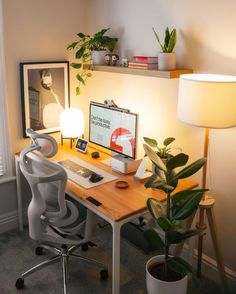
(4, 134)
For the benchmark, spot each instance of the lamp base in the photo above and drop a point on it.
(207, 202)
(71, 140)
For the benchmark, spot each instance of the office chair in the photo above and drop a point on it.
(53, 219)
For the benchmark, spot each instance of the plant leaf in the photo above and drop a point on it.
(158, 40)
(177, 161)
(154, 158)
(80, 53)
(156, 208)
(79, 78)
(176, 237)
(81, 35)
(190, 169)
(168, 141)
(167, 38)
(180, 226)
(179, 265)
(184, 203)
(164, 223)
(89, 74)
(153, 239)
(72, 46)
(77, 90)
(172, 41)
(75, 65)
(150, 142)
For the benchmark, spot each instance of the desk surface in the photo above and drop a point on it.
(117, 203)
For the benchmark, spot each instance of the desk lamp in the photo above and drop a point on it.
(209, 101)
(71, 124)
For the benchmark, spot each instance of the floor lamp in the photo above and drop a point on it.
(209, 101)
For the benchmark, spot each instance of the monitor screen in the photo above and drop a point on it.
(113, 128)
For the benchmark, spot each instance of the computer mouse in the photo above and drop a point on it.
(95, 154)
(94, 178)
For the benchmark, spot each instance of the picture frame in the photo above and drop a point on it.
(44, 94)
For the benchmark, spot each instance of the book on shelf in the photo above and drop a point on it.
(145, 59)
(143, 65)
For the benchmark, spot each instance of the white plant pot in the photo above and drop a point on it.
(155, 286)
(167, 61)
(98, 57)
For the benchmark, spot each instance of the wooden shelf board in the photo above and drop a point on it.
(141, 72)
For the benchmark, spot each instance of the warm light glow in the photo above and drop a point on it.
(207, 100)
(72, 122)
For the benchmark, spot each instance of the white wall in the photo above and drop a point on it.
(206, 43)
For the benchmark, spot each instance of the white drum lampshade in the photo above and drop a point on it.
(207, 100)
(72, 122)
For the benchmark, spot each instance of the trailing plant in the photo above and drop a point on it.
(169, 40)
(84, 47)
(165, 151)
(170, 216)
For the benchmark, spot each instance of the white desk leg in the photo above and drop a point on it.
(116, 258)
(19, 195)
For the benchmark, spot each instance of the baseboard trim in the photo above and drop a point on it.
(210, 270)
(9, 221)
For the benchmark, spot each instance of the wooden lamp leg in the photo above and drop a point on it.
(216, 244)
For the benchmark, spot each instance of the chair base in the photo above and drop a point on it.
(62, 254)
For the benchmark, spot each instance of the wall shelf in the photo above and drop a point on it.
(140, 72)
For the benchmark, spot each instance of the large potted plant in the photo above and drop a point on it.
(167, 58)
(165, 273)
(90, 50)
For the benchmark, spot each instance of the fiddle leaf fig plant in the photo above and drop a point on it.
(169, 40)
(84, 47)
(170, 216)
(165, 151)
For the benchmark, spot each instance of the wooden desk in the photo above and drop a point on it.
(119, 206)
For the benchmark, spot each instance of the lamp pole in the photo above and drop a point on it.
(207, 204)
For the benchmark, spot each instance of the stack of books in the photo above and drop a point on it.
(144, 62)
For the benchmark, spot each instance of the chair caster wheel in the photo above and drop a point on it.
(19, 283)
(84, 247)
(103, 274)
(39, 250)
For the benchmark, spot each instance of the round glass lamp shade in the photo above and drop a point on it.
(207, 100)
(72, 122)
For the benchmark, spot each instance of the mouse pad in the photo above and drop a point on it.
(84, 181)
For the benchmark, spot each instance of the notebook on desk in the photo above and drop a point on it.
(79, 171)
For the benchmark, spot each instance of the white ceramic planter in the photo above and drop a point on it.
(167, 61)
(155, 286)
(98, 57)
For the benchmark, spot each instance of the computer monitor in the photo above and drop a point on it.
(113, 128)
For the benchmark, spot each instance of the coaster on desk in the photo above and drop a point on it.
(121, 184)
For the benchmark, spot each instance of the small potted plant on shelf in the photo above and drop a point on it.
(165, 273)
(90, 50)
(167, 58)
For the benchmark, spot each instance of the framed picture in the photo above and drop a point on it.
(45, 93)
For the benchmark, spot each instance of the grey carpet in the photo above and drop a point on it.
(17, 255)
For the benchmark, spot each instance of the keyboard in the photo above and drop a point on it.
(76, 168)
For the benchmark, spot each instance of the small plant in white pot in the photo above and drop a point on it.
(167, 58)
(167, 274)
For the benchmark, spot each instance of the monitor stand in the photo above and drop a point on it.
(122, 164)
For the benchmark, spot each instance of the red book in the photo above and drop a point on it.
(145, 59)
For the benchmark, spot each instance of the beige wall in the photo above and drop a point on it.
(37, 31)
(206, 43)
